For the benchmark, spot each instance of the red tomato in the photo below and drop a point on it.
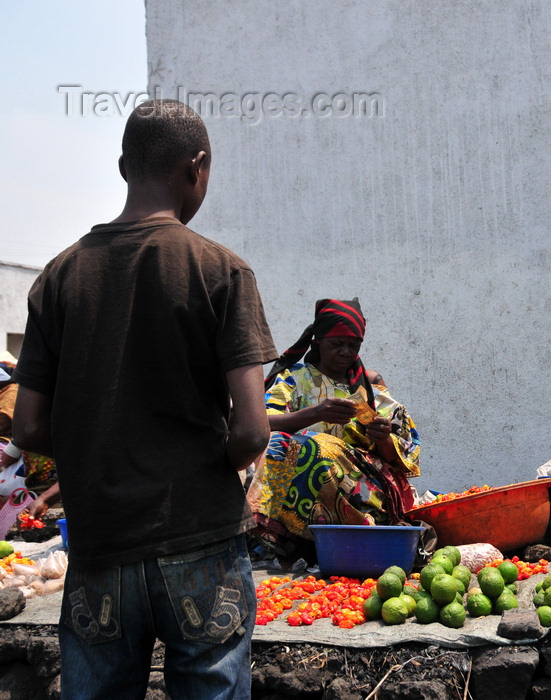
(346, 624)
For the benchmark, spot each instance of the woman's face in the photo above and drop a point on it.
(337, 353)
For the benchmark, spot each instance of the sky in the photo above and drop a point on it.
(71, 73)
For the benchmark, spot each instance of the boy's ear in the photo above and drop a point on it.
(199, 165)
(122, 169)
(200, 160)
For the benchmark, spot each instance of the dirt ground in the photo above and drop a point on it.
(315, 671)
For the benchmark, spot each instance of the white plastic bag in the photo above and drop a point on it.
(25, 570)
(544, 470)
(53, 586)
(12, 477)
(476, 556)
(55, 565)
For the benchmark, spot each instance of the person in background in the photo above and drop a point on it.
(8, 394)
(10, 456)
(323, 464)
(147, 458)
(34, 471)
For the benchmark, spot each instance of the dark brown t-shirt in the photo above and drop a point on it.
(131, 331)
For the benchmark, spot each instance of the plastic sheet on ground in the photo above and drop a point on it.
(475, 632)
(40, 610)
(44, 610)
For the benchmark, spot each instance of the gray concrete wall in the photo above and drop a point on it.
(15, 282)
(432, 205)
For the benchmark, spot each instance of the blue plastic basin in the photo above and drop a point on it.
(365, 551)
(62, 524)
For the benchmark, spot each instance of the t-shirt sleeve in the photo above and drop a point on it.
(243, 336)
(37, 365)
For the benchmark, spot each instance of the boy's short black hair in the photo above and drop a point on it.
(158, 134)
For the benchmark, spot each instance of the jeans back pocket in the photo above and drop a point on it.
(209, 591)
(91, 604)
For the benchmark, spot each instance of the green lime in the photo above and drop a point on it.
(443, 588)
(539, 586)
(487, 569)
(410, 602)
(372, 606)
(389, 586)
(506, 601)
(453, 615)
(539, 598)
(491, 583)
(479, 605)
(463, 573)
(545, 583)
(428, 572)
(460, 587)
(410, 589)
(508, 570)
(426, 611)
(473, 591)
(544, 614)
(512, 587)
(394, 611)
(445, 562)
(453, 553)
(420, 595)
(547, 597)
(398, 571)
(5, 549)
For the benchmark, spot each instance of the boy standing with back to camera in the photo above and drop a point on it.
(137, 337)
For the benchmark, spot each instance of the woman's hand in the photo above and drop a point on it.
(339, 411)
(334, 410)
(378, 430)
(40, 505)
(38, 508)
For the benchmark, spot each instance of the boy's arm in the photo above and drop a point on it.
(31, 422)
(249, 430)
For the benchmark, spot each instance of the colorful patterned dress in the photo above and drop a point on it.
(328, 473)
(38, 470)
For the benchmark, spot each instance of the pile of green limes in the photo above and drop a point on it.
(443, 584)
(496, 590)
(392, 600)
(542, 601)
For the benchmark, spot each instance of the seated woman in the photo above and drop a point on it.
(8, 395)
(36, 471)
(322, 465)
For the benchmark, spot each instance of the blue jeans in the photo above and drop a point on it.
(201, 604)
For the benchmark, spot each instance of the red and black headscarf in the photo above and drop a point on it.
(333, 318)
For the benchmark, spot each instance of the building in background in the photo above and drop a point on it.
(15, 282)
(399, 152)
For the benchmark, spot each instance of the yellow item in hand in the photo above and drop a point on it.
(364, 413)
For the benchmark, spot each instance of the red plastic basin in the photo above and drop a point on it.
(507, 517)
